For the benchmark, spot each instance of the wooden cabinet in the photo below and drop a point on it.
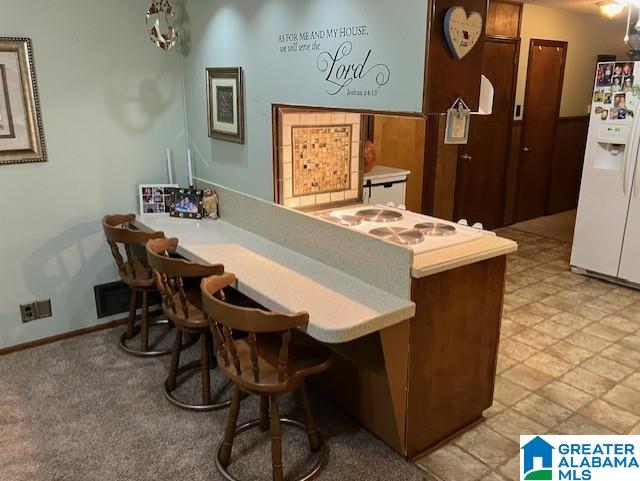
(421, 382)
(504, 19)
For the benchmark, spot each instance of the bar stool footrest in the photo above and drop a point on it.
(311, 473)
(168, 394)
(136, 352)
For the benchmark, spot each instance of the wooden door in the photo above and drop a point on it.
(545, 77)
(482, 163)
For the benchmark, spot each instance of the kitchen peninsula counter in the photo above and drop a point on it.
(415, 337)
(341, 308)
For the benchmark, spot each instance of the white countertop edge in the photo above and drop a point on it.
(386, 172)
(499, 248)
(343, 334)
(404, 310)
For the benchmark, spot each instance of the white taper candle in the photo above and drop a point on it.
(189, 169)
(170, 175)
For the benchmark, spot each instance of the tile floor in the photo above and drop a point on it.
(569, 363)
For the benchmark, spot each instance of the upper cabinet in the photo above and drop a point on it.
(448, 78)
(503, 19)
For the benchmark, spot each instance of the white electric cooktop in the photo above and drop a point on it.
(420, 233)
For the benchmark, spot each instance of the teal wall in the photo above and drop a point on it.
(227, 33)
(111, 104)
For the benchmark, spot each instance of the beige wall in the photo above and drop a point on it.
(588, 36)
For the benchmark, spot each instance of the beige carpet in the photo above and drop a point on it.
(557, 226)
(82, 410)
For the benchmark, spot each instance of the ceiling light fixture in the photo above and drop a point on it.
(160, 24)
(610, 9)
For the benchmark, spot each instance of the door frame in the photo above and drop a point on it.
(535, 42)
(512, 101)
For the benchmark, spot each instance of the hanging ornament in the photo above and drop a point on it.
(162, 14)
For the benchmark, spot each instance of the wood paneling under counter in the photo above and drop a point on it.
(419, 383)
(454, 348)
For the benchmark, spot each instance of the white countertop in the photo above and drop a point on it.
(341, 308)
(478, 250)
(382, 172)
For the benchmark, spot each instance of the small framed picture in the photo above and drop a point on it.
(225, 104)
(187, 203)
(457, 131)
(155, 198)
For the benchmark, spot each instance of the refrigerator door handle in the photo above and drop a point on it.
(625, 168)
(636, 187)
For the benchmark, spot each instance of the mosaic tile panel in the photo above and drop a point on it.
(321, 159)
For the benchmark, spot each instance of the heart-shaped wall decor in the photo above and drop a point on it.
(462, 31)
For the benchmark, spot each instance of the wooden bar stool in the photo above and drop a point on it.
(178, 280)
(273, 359)
(135, 272)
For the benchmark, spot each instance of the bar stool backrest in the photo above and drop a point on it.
(170, 273)
(118, 229)
(224, 318)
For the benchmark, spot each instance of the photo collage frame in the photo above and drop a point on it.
(156, 198)
(616, 91)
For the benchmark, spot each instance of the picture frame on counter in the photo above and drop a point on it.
(187, 204)
(225, 103)
(155, 198)
(21, 131)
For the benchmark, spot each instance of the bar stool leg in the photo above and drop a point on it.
(309, 422)
(276, 443)
(133, 305)
(204, 369)
(230, 429)
(175, 360)
(144, 334)
(264, 414)
(211, 351)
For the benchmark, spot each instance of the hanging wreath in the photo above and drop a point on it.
(161, 13)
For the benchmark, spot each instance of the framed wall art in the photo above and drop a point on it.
(21, 132)
(187, 203)
(225, 104)
(156, 198)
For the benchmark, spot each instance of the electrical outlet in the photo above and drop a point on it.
(28, 312)
(36, 310)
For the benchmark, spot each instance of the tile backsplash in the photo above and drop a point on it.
(318, 158)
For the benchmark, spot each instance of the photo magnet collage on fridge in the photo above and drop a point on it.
(616, 90)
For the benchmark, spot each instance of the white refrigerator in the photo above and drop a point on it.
(607, 234)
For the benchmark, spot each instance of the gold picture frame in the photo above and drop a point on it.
(225, 104)
(21, 131)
